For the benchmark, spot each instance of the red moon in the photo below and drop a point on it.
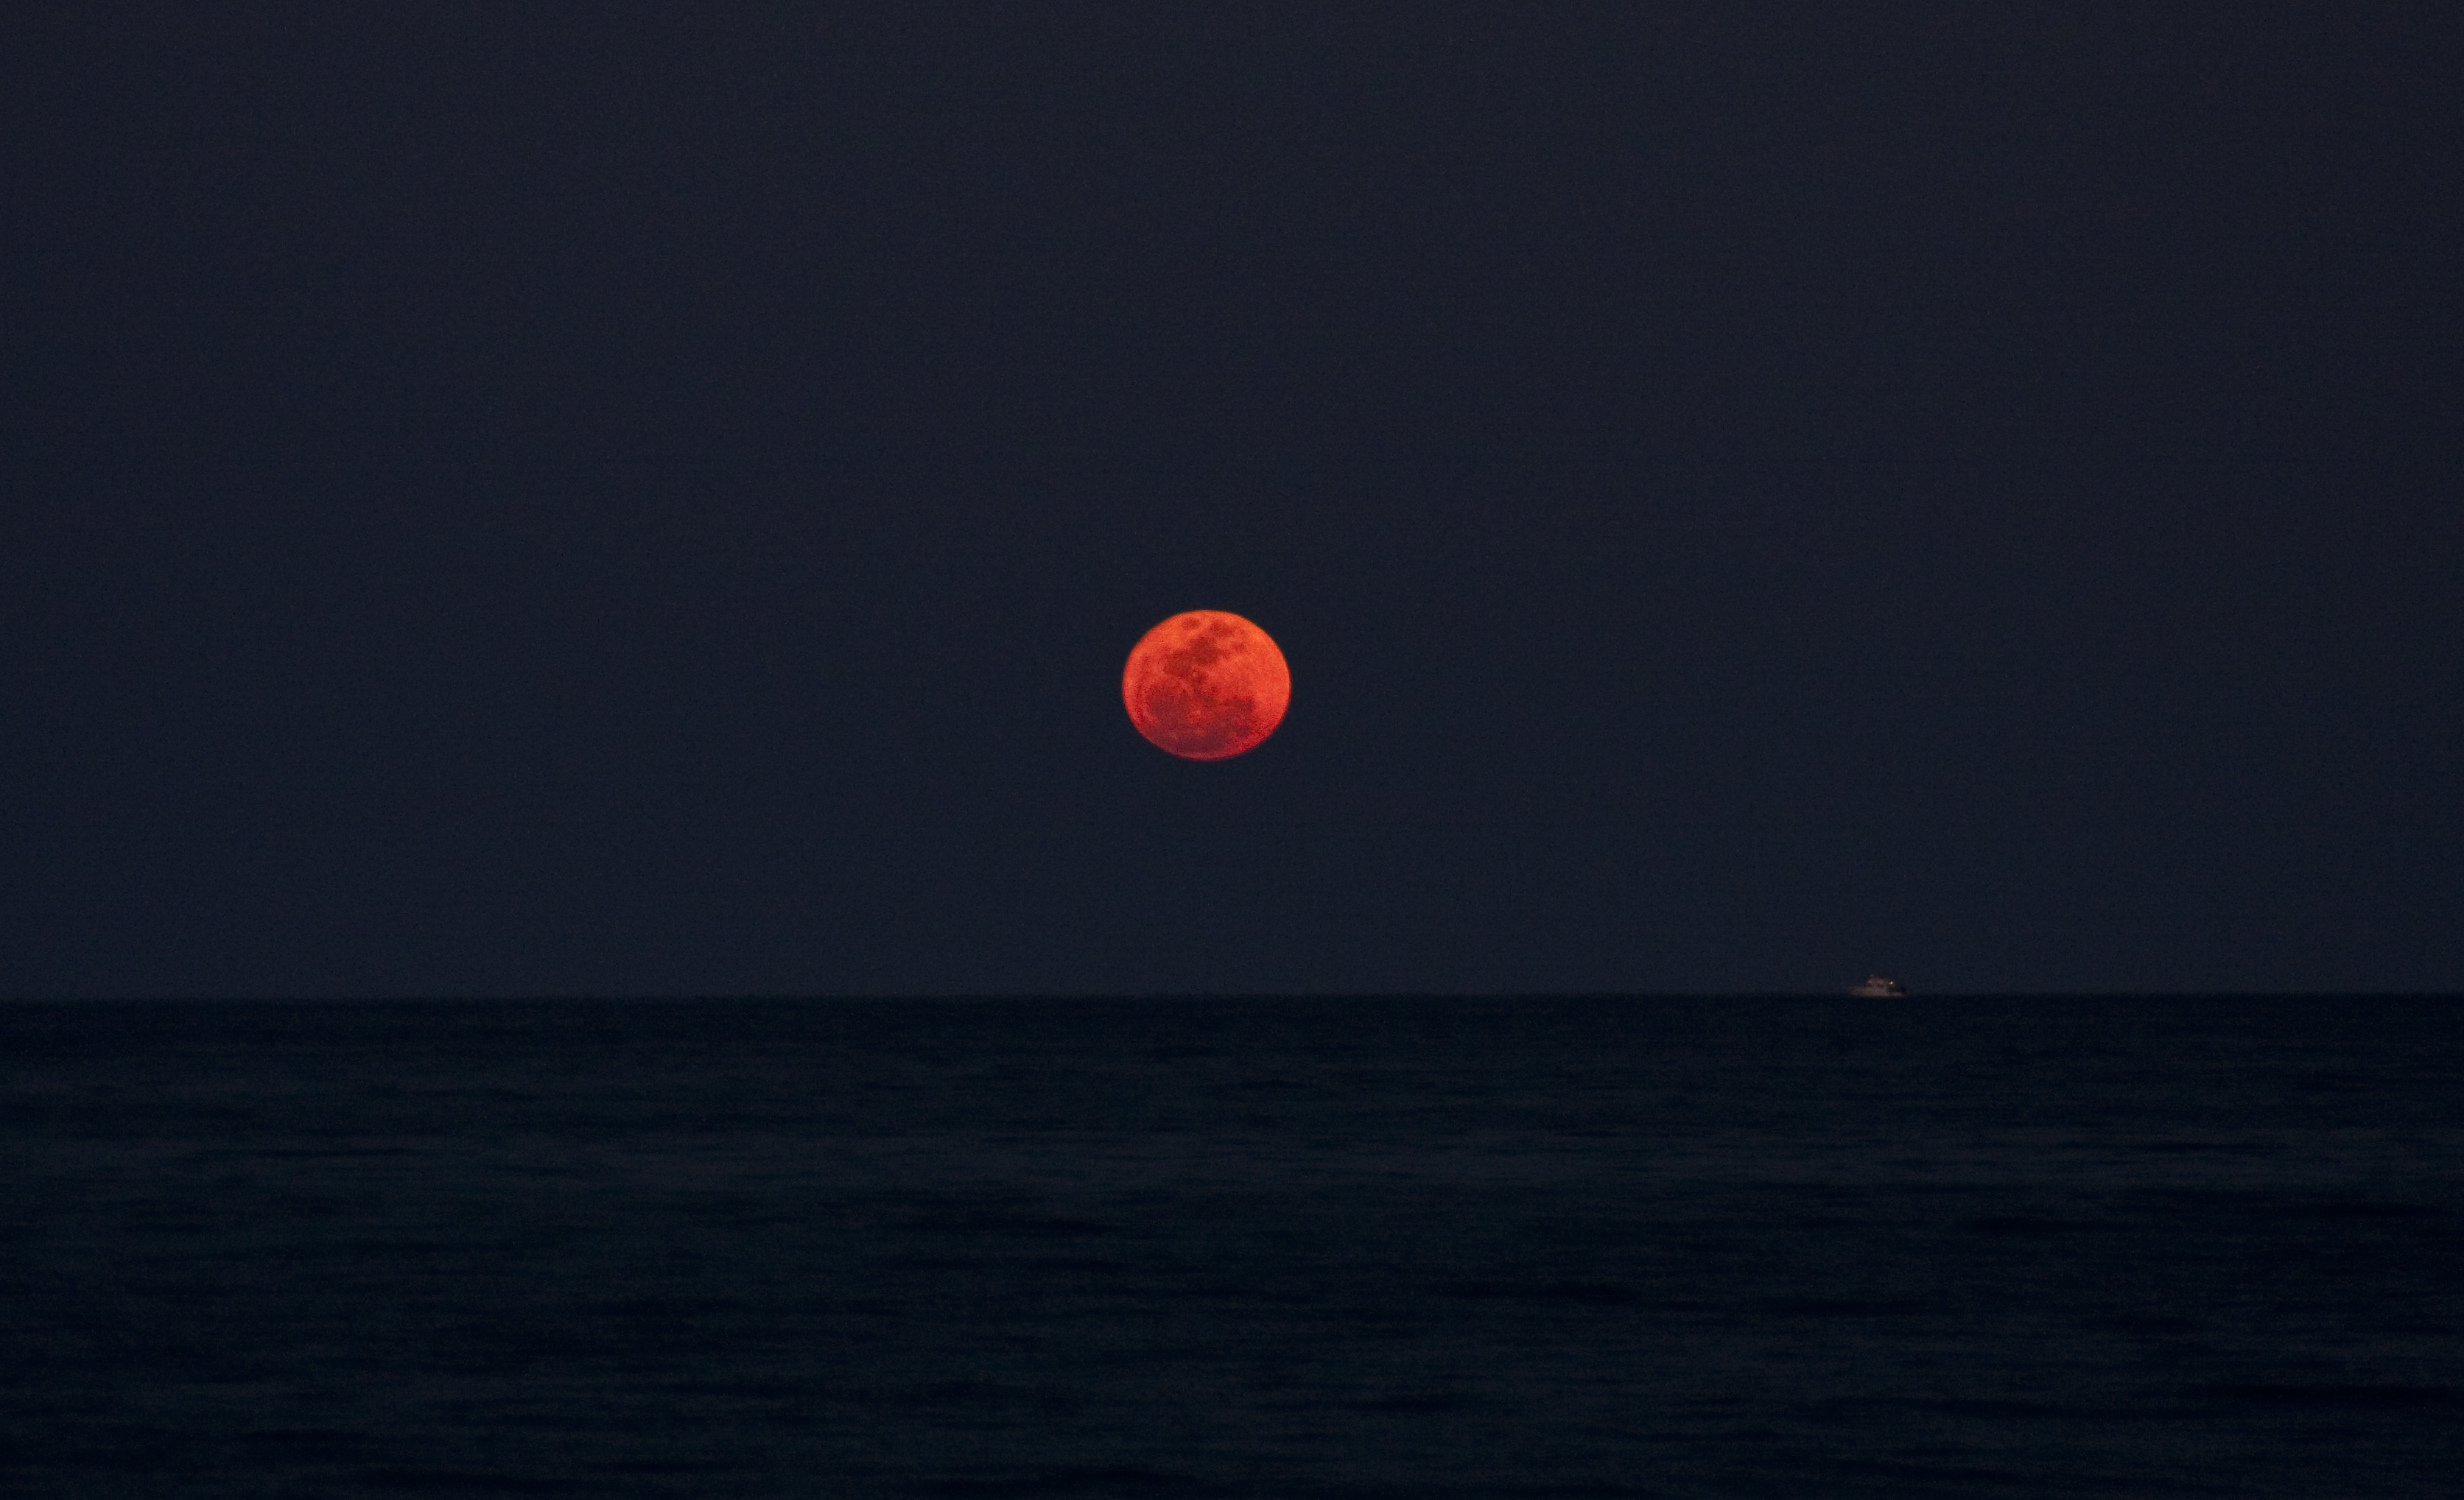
(1206, 685)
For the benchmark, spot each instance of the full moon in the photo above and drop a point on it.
(1206, 685)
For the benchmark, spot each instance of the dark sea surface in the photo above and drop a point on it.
(1234, 1247)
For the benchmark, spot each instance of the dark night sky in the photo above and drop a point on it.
(628, 498)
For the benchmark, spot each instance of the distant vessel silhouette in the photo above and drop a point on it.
(1878, 986)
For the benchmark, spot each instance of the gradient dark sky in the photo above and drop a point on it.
(627, 498)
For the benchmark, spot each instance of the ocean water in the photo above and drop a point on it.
(1234, 1247)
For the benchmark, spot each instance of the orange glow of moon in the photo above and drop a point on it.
(1206, 685)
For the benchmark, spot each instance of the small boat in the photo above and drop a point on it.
(1878, 986)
